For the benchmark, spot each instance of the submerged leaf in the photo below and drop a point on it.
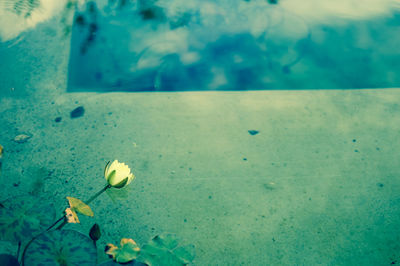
(164, 250)
(80, 206)
(128, 251)
(61, 247)
(8, 260)
(22, 218)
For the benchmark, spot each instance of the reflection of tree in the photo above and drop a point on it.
(21, 7)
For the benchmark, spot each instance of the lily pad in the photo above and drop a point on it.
(8, 260)
(61, 247)
(113, 263)
(128, 251)
(164, 250)
(22, 218)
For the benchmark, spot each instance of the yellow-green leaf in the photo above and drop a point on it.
(80, 206)
(128, 251)
(71, 216)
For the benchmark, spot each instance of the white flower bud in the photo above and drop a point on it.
(118, 175)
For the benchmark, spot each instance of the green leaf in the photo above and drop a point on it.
(61, 247)
(168, 241)
(163, 250)
(185, 253)
(21, 218)
(128, 251)
(80, 206)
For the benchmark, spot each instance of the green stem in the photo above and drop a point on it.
(97, 194)
(64, 222)
(62, 225)
(26, 247)
(19, 249)
(54, 224)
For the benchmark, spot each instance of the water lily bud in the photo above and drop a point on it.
(118, 175)
(95, 232)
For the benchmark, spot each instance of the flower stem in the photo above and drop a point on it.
(54, 224)
(97, 194)
(19, 249)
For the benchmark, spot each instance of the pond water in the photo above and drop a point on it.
(234, 45)
(260, 132)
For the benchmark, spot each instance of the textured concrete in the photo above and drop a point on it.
(318, 184)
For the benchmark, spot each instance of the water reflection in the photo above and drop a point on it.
(18, 16)
(160, 45)
(214, 45)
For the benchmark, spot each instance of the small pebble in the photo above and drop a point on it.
(58, 119)
(77, 112)
(22, 138)
(253, 132)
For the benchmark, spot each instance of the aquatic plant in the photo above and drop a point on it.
(118, 175)
(61, 247)
(160, 250)
(29, 222)
(127, 251)
(165, 250)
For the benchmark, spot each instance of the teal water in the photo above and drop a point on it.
(288, 175)
(233, 45)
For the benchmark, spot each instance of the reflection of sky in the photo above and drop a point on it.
(225, 44)
(313, 11)
(325, 11)
(253, 44)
